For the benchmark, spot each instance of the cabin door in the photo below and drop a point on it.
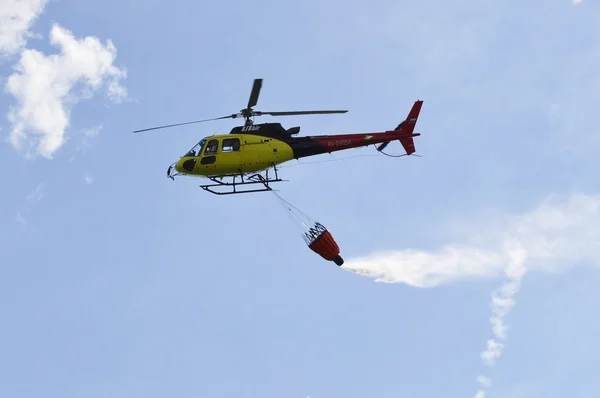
(230, 156)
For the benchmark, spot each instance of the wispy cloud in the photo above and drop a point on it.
(92, 131)
(88, 179)
(502, 302)
(88, 135)
(44, 87)
(16, 19)
(31, 200)
(484, 381)
(552, 237)
(37, 194)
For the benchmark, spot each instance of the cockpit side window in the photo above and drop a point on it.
(197, 149)
(212, 147)
(231, 144)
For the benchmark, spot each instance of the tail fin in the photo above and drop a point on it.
(406, 129)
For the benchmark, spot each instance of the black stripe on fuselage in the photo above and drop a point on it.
(306, 146)
(301, 146)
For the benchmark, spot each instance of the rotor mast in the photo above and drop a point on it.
(248, 113)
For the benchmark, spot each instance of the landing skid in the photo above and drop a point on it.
(246, 180)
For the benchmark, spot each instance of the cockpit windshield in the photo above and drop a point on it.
(197, 149)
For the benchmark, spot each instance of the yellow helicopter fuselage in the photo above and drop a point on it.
(234, 154)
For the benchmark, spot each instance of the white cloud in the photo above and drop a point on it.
(486, 383)
(427, 269)
(492, 352)
(502, 302)
(575, 2)
(88, 179)
(44, 87)
(552, 237)
(16, 18)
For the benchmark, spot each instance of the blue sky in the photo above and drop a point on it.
(119, 282)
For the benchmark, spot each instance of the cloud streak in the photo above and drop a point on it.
(552, 237)
(503, 300)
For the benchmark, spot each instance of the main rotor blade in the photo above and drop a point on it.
(181, 124)
(254, 93)
(299, 113)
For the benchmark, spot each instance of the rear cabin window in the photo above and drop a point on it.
(231, 144)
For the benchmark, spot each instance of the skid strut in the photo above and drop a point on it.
(246, 180)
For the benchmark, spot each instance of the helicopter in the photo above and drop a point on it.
(251, 150)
